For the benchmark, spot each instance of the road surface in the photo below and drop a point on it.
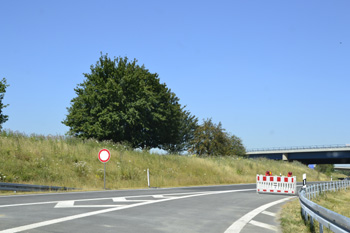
(226, 209)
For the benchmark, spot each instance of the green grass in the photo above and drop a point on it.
(335, 201)
(291, 219)
(73, 162)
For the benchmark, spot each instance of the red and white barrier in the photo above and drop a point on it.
(276, 184)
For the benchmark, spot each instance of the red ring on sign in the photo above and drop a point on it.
(101, 159)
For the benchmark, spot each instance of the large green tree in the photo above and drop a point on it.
(3, 86)
(211, 139)
(122, 101)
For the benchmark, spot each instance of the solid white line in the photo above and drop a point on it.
(126, 190)
(64, 219)
(70, 204)
(263, 225)
(240, 223)
(89, 206)
(269, 213)
(123, 199)
(35, 203)
(91, 199)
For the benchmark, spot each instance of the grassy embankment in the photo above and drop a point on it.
(72, 162)
(292, 221)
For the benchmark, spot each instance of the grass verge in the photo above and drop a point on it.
(292, 221)
(72, 162)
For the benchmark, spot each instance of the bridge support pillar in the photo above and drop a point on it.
(285, 157)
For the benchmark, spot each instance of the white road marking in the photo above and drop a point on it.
(68, 218)
(269, 213)
(25, 204)
(91, 199)
(109, 191)
(263, 225)
(123, 199)
(70, 204)
(158, 196)
(240, 223)
(64, 204)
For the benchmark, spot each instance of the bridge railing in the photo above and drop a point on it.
(300, 147)
(326, 218)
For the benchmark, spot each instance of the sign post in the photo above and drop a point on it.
(104, 155)
(304, 180)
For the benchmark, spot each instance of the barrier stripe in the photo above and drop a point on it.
(276, 184)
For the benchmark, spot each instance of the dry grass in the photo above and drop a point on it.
(73, 163)
(335, 201)
(291, 219)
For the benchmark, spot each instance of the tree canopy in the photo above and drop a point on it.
(325, 168)
(210, 139)
(3, 86)
(122, 101)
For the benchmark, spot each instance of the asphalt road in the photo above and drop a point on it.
(226, 209)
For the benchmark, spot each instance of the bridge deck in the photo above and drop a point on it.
(324, 155)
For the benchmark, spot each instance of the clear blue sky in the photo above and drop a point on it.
(275, 73)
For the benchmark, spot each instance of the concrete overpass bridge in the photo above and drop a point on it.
(336, 154)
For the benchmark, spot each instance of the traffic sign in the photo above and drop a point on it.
(104, 155)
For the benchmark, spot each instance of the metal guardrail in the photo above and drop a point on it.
(326, 218)
(300, 148)
(30, 188)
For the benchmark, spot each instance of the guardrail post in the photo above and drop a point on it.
(314, 188)
(315, 191)
(321, 227)
(312, 222)
(304, 214)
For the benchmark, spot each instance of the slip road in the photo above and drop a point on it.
(230, 208)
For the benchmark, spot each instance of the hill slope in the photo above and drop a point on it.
(72, 162)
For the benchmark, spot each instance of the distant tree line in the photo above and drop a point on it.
(124, 102)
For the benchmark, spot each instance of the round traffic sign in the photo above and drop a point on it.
(104, 155)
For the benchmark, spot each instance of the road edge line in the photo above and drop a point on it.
(238, 225)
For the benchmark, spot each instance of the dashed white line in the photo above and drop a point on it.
(263, 225)
(64, 204)
(240, 223)
(269, 213)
